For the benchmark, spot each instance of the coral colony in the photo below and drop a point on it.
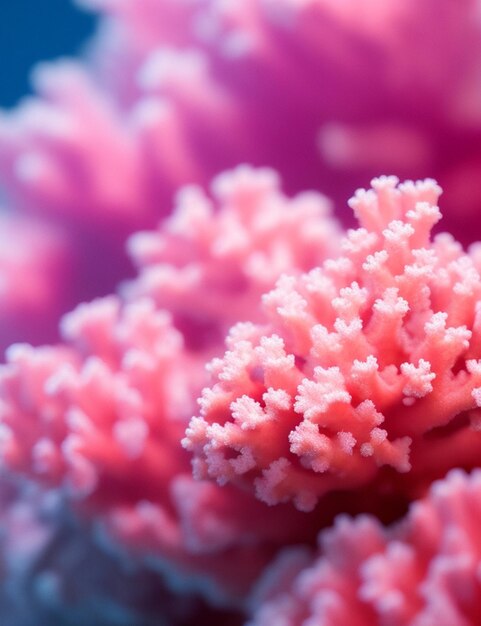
(228, 399)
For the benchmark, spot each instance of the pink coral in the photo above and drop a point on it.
(103, 420)
(353, 386)
(422, 572)
(287, 71)
(174, 92)
(232, 247)
(101, 417)
(368, 369)
(32, 268)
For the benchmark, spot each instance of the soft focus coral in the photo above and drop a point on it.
(367, 370)
(353, 386)
(423, 572)
(175, 92)
(32, 268)
(211, 261)
(100, 418)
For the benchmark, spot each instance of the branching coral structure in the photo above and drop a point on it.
(345, 366)
(367, 370)
(99, 419)
(172, 93)
(232, 247)
(422, 572)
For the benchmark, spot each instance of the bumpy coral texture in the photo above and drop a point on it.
(212, 260)
(353, 387)
(423, 572)
(103, 421)
(367, 371)
(100, 418)
(174, 92)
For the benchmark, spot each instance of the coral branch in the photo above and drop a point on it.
(362, 361)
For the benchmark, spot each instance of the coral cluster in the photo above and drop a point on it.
(100, 418)
(366, 365)
(424, 571)
(175, 92)
(232, 247)
(259, 373)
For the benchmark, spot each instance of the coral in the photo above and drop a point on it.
(366, 372)
(70, 160)
(171, 93)
(99, 418)
(353, 386)
(424, 571)
(102, 420)
(286, 72)
(232, 247)
(31, 271)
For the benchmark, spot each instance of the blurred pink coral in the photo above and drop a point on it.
(353, 386)
(211, 261)
(103, 420)
(366, 365)
(101, 417)
(287, 72)
(422, 572)
(174, 92)
(32, 268)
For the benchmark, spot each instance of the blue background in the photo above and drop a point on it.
(32, 31)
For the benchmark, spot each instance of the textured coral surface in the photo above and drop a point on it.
(423, 572)
(173, 92)
(230, 248)
(100, 417)
(167, 189)
(366, 371)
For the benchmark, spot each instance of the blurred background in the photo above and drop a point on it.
(31, 31)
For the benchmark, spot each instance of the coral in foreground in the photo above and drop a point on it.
(100, 417)
(353, 386)
(367, 372)
(422, 572)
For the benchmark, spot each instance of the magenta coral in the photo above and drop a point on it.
(174, 92)
(286, 72)
(32, 269)
(423, 572)
(366, 364)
